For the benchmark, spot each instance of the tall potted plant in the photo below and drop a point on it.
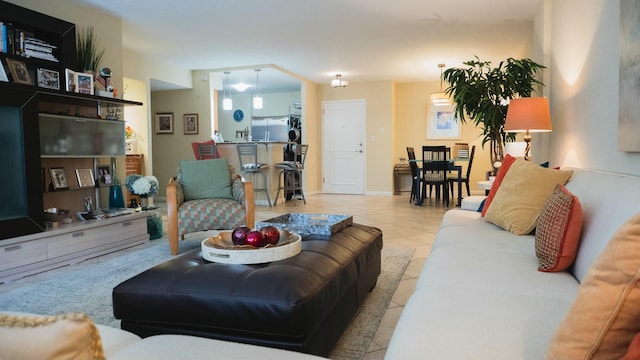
(481, 93)
(87, 54)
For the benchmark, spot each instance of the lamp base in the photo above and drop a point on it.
(527, 149)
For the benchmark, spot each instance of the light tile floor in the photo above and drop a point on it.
(403, 225)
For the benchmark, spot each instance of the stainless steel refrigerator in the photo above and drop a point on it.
(270, 128)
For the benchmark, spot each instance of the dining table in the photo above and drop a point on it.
(452, 167)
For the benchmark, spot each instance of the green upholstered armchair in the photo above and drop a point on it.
(207, 195)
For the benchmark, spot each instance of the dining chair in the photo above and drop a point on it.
(435, 166)
(415, 174)
(465, 178)
(207, 151)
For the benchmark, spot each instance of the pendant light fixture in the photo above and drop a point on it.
(338, 82)
(227, 103)
(440, 98)
(257, 99)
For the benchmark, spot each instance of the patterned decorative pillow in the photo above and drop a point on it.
(558, 230)
(604, 317)
(506, 164)
(65, 337)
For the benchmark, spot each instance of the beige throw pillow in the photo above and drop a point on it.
(604, 318)
(63, 337)
(523, 192)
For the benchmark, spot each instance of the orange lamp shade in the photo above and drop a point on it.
(528, 115)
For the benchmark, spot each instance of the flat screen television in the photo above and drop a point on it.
(21, 205)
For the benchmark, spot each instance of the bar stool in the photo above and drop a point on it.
(248, 157)
(291, 172)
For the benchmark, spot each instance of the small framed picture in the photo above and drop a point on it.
(84, 83)
(19, 71)
(3, 73)
(85, 178)
(58, 179)
(190, 124)
(104, 175)
(71, 84)
(164, 123)
(48, 79)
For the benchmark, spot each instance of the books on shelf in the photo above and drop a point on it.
(23, 43)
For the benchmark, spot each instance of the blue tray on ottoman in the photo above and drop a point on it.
(309, 226)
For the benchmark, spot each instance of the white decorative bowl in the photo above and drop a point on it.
(219, 248)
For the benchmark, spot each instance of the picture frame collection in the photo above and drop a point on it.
(164, 123)
(77, 82)
(84, 178)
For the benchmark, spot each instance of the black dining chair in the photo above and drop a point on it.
(415, 174)
(465, 178)
(435, 166)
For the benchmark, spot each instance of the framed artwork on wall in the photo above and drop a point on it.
(164, 123)
(442, 123)
(190, 124)
(58, 179)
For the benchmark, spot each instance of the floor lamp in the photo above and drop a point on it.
(528, 115)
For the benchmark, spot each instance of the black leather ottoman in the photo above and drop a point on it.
(303, 303)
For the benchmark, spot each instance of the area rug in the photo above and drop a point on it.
(86, 287)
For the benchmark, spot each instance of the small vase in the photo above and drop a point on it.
(116, 198)
(144, 202)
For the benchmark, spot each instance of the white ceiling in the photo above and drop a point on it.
(365, 40)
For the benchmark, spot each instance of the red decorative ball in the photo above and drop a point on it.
(239, 235)
(255, 238)
(271, 234)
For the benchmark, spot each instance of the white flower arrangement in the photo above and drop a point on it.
(146, 186)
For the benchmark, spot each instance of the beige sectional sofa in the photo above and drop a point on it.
(74, 336)
(480, 294)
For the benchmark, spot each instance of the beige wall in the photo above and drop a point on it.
(379, 129)
(413, 107)
(584, 53)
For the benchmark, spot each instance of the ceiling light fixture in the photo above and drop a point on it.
(257, 99)
(440, 98)
(241, 86)
(338, 82)
(227, 103)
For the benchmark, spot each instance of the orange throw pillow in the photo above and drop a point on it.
(558, 230)
(633, 352)
(604, 317)
(506, 164)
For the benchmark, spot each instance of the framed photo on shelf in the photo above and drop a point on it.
(3, 73)
(104, 175)
(84, 83)
(71, 82)
(164, 123)
(442, 123)
(85, 178)
(48, 79)
(190, 124)
(19, 71)
(58, 179)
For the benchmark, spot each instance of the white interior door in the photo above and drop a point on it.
(343, 136)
